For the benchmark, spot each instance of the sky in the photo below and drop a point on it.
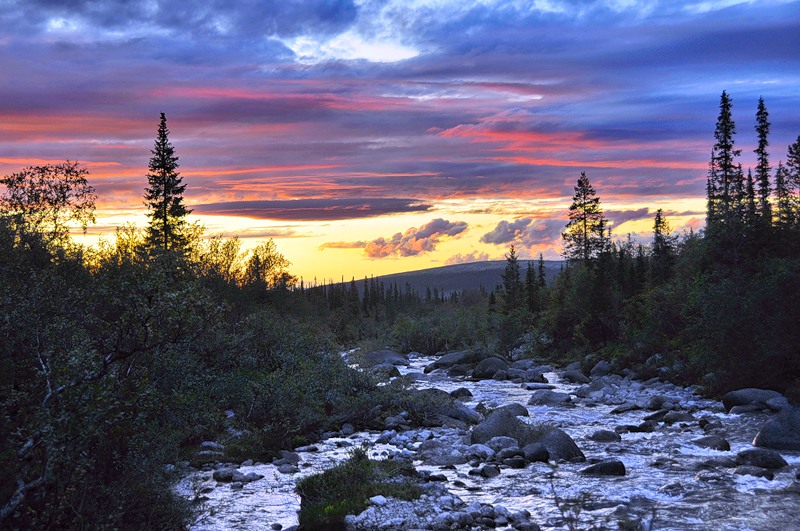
(376, 136)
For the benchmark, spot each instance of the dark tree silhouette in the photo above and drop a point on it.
(585, 237)
(763, 168)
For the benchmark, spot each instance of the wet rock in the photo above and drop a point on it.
(781, 432)
(601, 368)
(461, 392)
(574, 376)
(560, 446)
(751, 408)
(237, 485)
(548, 398)
(288, 469)
(498, 423)
(672, 489)
(715, 442)
(755, 471)
(501, 442)
(537, 386)
(515, 462)
(678, 416)
(292, 458)
(536, 452)
(490, 471)
(379, 357)
(228, 475)
(488, 367)
(656, 402)
(761, 457)
(624, 408)
(749, 397)
(612, 467)
(450, 359)
(480, 451)
(605, 436)
(384, 371)
(515, 409)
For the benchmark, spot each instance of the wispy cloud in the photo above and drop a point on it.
(313, 209)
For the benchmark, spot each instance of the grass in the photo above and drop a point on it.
(326, 498)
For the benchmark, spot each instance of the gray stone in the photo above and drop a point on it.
(461, 392)
(761, 457)
(755, 471)
(501, 442)
(545, 397)
(487, 368)
(560, 446)
(288, 469)
(601, 368)
(379, 357)
(490, 471)
(748, 397)
(678, 416)
(612, 467)
(715, 442)
(228, 475)
(537, 386)
(515, 409)
(605, 436)
(385, 371)
(781, 432)
(574, 376)
(536, 452)
(378, 500)
(449, 359)
(212, 445)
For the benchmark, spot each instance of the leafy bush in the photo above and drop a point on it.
(326, 498)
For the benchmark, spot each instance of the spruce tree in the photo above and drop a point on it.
(585, 237)
(542, 279)
(531, 287)
(751, 210)
(784, 204)
(793, 178)
(663, 248)
(724, 186)
(763, 168)
(512, 284)
(164, 196)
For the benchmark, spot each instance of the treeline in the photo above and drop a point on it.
(117, 361)
(719, 307)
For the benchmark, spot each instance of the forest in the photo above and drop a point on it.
(117, 360)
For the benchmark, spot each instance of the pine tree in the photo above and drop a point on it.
(663, 248)
(531, 287)
(512, 284)
(793, 178)
(585, 237)
(724, 186)
(542, 279)
(763, 168)
(164, 196)
(751, 210)
(784, 204)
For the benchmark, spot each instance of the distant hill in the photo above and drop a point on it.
(460, 277)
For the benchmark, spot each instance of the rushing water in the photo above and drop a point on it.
(665, 485)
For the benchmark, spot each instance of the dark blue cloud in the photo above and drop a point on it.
(312, 209)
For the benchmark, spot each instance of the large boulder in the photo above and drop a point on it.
(436, 403)
(450, 359)
(488, 367)
(499, 423)
(516, 409)
(545, 397)
(574, 376)
(761, 457)
(601, 368)
(559, 445)
(749, 397)
(781, 432)
(379, 357)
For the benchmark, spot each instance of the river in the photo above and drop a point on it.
(669, 482)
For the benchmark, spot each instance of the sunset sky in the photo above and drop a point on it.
(376, 136)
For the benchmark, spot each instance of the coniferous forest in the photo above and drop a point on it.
(117, 360)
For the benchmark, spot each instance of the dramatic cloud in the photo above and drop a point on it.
(506, 232)
(530, 233)
(415, 241)
(473, 256)
(312, 209)
(618, 217)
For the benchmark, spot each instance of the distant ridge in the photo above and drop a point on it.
(461, 277)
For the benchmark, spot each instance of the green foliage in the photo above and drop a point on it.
(326, 498)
